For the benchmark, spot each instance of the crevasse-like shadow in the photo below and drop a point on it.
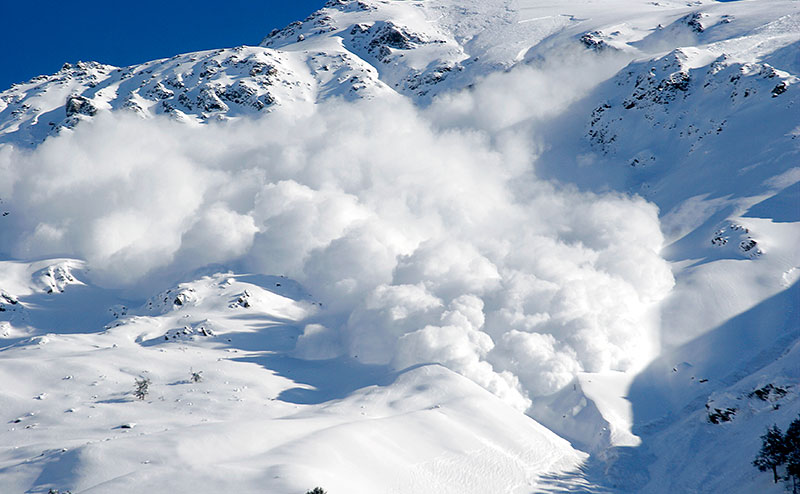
(723, 356)
(60, 469)
(661, 396)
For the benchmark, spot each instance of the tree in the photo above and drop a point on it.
(317, 490)
(791, 443)
(773, 452)
(141, 388)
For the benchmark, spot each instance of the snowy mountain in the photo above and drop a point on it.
(410, 246)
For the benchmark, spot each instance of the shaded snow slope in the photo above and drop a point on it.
(719, 393)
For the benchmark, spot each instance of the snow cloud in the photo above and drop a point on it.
(425, 233)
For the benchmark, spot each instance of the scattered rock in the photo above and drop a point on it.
(242, 300)
(769, 393)
(56, 278)
(694, 21)
(594, 41)
(720, 415)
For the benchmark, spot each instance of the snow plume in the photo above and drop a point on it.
(530, 94)
(424, 244)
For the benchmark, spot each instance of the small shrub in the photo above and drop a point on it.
(196, 377)
(142, 388)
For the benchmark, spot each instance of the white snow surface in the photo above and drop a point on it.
(257, 416)
(410, 246)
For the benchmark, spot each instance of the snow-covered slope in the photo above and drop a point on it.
(229, 408)
(471, 228)
(362, 49)
(216, 85)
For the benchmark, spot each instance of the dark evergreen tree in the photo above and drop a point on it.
(317, 490)
(792, 446)
(773, 452)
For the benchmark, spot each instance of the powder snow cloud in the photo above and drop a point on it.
(426, 233)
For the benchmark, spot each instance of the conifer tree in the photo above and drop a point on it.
(773, 452)
(792, 446)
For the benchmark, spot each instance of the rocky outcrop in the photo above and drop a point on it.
(675, 94)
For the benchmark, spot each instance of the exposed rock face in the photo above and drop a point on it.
(594, 41)
(8, 302)
(56, 278)
(79, 105)
(695, 21)
(219, 84)
(666, 93)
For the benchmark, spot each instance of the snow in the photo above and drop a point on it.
(423, 427)
(479, 246)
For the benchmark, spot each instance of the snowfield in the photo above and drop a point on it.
(256, 416)
(410, 247)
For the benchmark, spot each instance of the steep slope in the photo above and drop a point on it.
(718, 393)
(709, 134)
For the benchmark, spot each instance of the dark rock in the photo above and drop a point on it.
(693, 21)
(79, 105)
(593, 41)
(779, 89)
(718, 416)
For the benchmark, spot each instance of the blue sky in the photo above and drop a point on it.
(38, 37)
